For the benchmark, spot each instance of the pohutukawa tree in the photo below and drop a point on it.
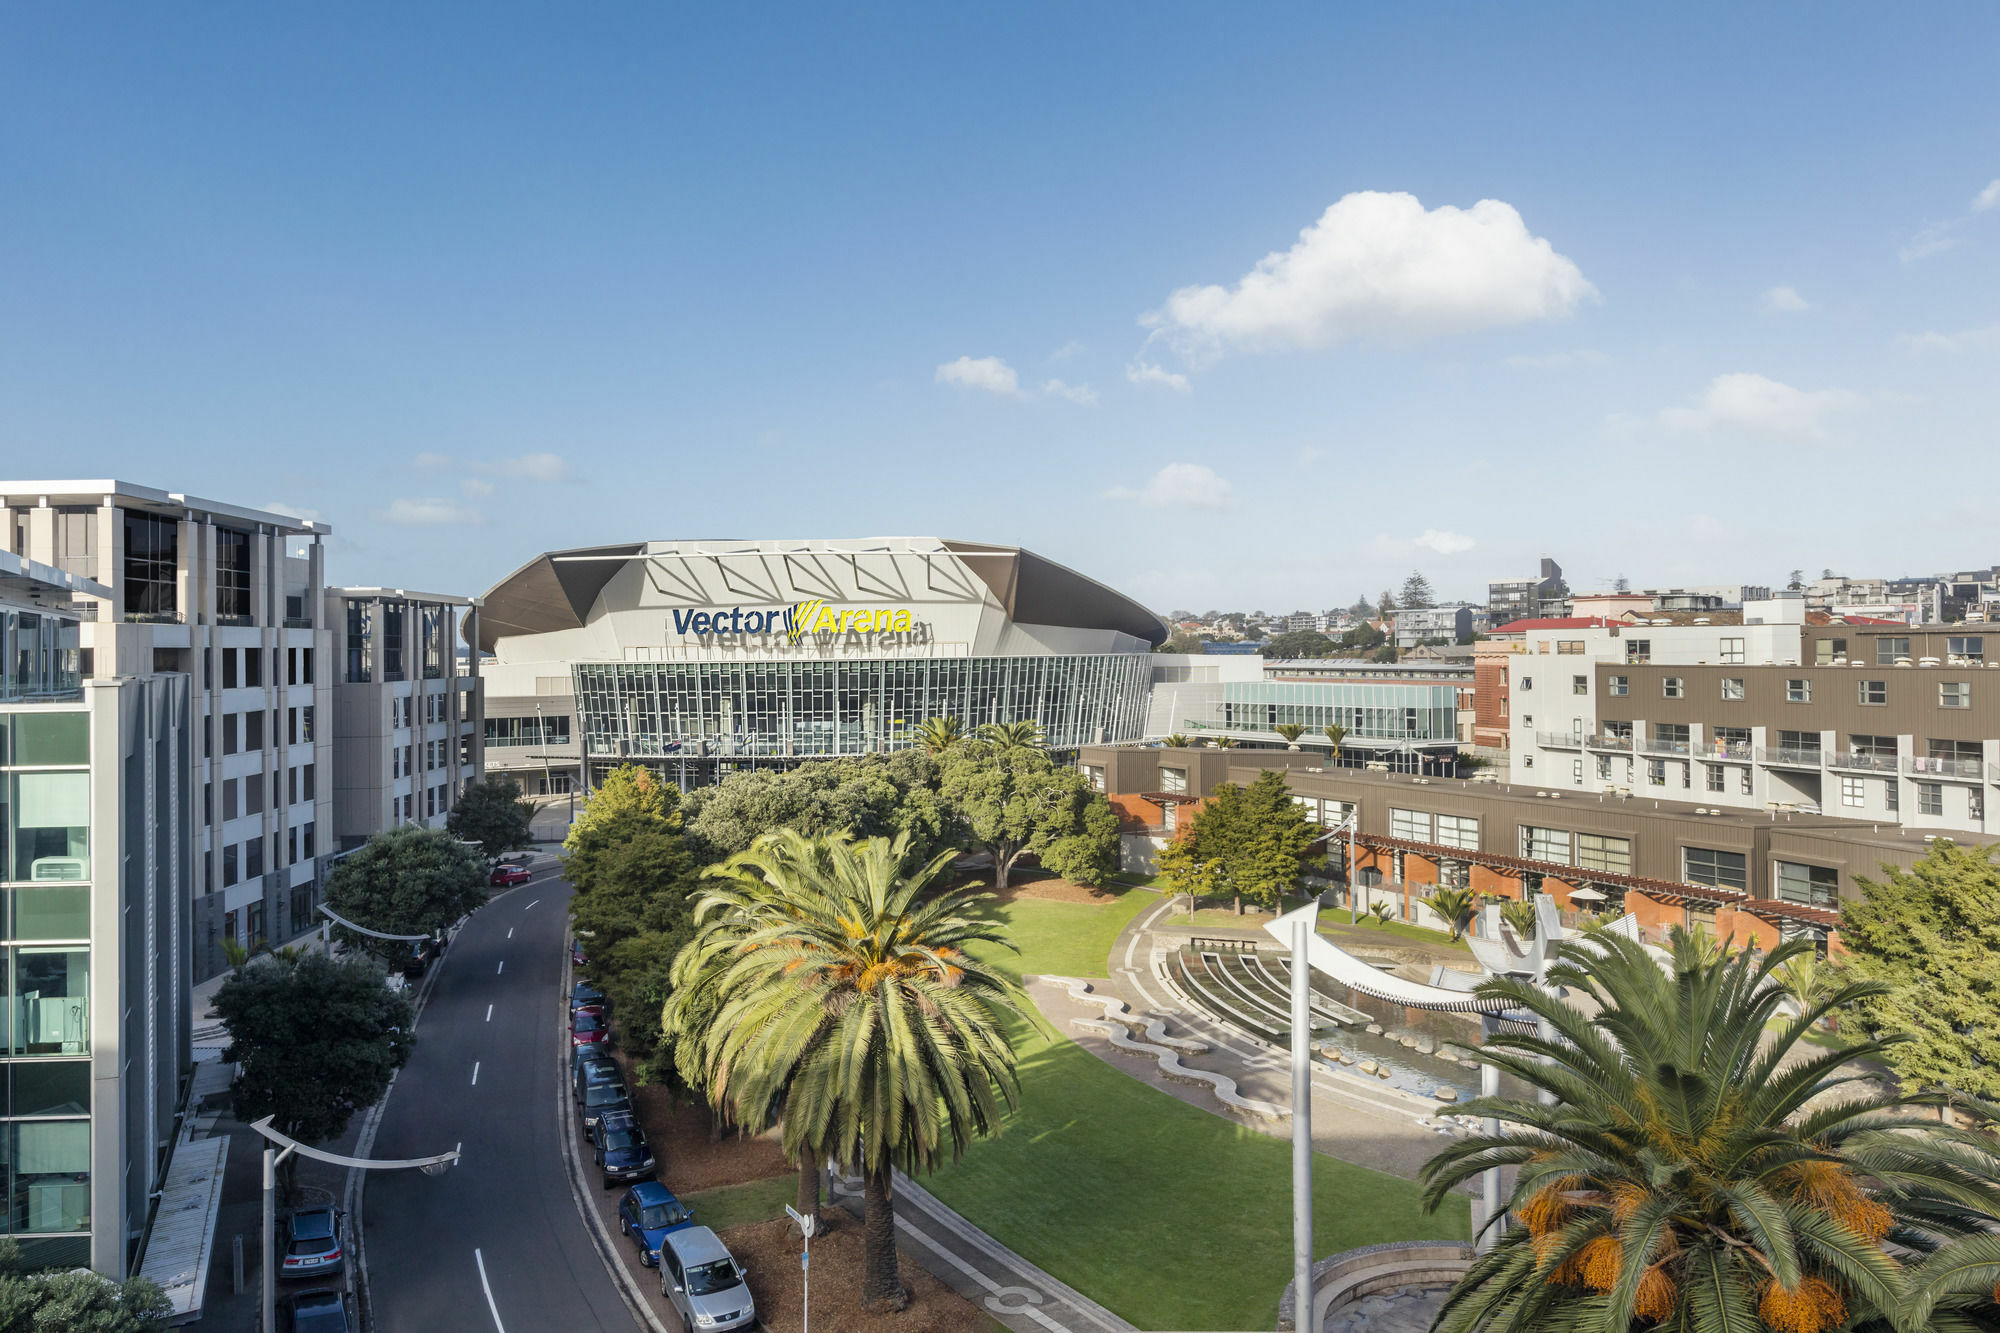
(829, 987)
(1693, 1171)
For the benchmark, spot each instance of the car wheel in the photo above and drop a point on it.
(624, 1227)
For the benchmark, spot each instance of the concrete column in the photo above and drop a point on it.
(111, 559)
(108, 1121)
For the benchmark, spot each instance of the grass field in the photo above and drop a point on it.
(1172, 1216)
(734, 1205)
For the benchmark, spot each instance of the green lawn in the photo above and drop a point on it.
(734, 1205)
(1172, 1216)
(1333, 923)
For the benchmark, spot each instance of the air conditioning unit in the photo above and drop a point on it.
(56, 867)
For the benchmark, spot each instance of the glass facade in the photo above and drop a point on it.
(39, 656)
(814, 709)
(45, 868)
(1388, 711)
(152, 566)
(232, 575)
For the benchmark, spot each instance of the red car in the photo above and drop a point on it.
(586, 1011)
(588, 1030)
(506, 877)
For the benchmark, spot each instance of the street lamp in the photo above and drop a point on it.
(430, 1166)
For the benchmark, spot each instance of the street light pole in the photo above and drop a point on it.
(1303, 1318)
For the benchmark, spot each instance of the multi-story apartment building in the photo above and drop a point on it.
(1436, 624)
(407, 711)
(99, 862)
(1525, 599)
(1872, 721)
(229, 598)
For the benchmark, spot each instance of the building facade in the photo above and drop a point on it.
(1524, 599)
(700, 658)
(228, 597)
(99, 870)
(407, 719)
(1436, 624)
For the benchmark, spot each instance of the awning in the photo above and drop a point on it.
(182, 1241)
(1586, 894)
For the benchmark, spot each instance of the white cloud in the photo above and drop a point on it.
(1935, 239)
(429, 462)
(1188, 485)
(305, 512)
(1310, 454)
(1080, 394)
(536, 467)
(988, 373)
(1445, 543)
(1145, 372)
(1066, 351)
(1380, 265)
(428, 513)
(477, 488)
(1765, 406)
(1987, 199)
(1783, 301)
(1385, 549)
(1963, 340)
(1558, 360)
(548, 468)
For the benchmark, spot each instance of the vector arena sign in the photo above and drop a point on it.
(795, 622)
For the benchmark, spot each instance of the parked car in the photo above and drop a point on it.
(577, 957)
(588, 1030)
(423, 953)
(320, 1310)
(596, 1010)
(583, 993)
(622, 1151)
(589, 1073)
(506, 877)
(647, 1212)
(702, 1281)
(312, 1243)
(602, 1100)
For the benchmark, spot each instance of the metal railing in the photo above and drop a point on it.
(1609, 742)
(298, 622)
(1928, 766)
(1560, 740)
(1713, 749)
(155, 618)
(1785, 754)
(1867, 763)
(1655, 745)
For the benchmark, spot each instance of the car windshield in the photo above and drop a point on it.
(622, 1138)
(707, 1279)
(323, 1314)
(600, 1071)
(603, 1095)
(587, 1023)
(312, 1245)
(663, 1215)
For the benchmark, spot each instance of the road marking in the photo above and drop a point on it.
(531, 904)
(487, 1287)
(502, 968)
(510, 932)
(475, 1073)
(489, 1013)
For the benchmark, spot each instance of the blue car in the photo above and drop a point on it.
(622, 1153)
(646, 1213)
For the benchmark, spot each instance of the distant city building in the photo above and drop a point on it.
(1433, 624)
(1522, 599)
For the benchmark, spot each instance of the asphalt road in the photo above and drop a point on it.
(496, 1242)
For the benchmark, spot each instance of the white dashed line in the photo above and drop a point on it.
(502, 968)
(510, 932)
(475, 1073)
(487, 1287)
(489, 1013)
(531, 904)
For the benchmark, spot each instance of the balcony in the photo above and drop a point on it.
(1925, 766)
(1558, 740)
(1789, 757)
(1713, 749)
(1623, 743)
(154, 618)
(1655, 745)
(298, 622)
(1866, 763)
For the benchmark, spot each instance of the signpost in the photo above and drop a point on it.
(806, 1225)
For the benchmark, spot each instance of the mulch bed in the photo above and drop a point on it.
(1054, 890)
(681, 1138)
(770, 1250)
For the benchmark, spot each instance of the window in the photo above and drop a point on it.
(1732, 650)
(1972, 648)
(1173, 779)
(1930, 798)
(291, 726)
(152, 566)
(1638, 652)
(1853, 791)
(1815, 886)
(1458, 831)
(306, 782)
(1888, 649)
(253, 666)
(306, 724)
(1892, 792)
(1579, 684)
(230, 656)
(1656, 772)
(231, 790)
(1714, 776)
(1717, 869)
(292, 785)
(232, 573)
(306, 838)
(1732, 688)
(1873, 747)
(360, 642)
(253, 858)
(1873, 692)
(1093, 773)
(393, 616)
(1576, 770)
(1412, 824)
(1169, 817)
(1604, 767)
(1596, 851)
(1545, 844)
(1619, 686)
(253, 794)
(1527, 682)
(1954, 694)
(1826, 650)
(1528, 760)
(1670, 687)
(253, 730)
(1743, 781)
(1800, 744)
(395, 761)
(229, 875)
(1672, 735)
(1975, 803)
(229, 723)
(1798, 691)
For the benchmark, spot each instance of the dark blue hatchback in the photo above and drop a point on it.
(647, 1212)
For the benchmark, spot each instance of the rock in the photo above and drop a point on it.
(1346, 1059)
(1407, 1040)
(1331, 1052)
(1424, 1046)
(1368, 1066)
(1382, 1073)
(1446, 1094)
(1374, 1029)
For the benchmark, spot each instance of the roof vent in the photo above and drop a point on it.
(1701, 620)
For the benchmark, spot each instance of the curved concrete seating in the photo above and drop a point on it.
(1117, 1028)
(1341, 1279)
(1118, 1011)
(1344, 1014)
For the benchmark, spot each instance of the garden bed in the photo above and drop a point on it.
(770, 1251)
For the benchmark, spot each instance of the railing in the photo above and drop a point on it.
(155, 618)
(1867, 763)
(1784, 754)
(237, 622)
(1561, 740)
(1928, 766)
(1609, 742)
(1655, 745)
(1713, 749)
(298, 622)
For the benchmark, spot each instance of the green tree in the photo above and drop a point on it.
(1290, 732)
(1016, 803)
(1690, 1170)
(1224, 742)
(637, 914)
(1519, 913)
(631, 797)
(76, 1301)
(1185, 870)
(410, 880)
(1300, 643)
(1930, 936)
(1335, 734)
(1256, 836)
(314, 1040)
(1006, 736)
(1176, 742)
(831, 987)
(491, 813)
(1362, 638)
(1455, 906)
(938, 734)
(1183, 641)
(869, 796)
(1416, 594)
(1386, 603)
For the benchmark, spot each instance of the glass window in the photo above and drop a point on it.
(1888, 649)
(1873, 691)
(54, 912)
(1826, 650)
(253, 666)
(1545, 844)
(1954, 694)
(1853, 792)
(49, 1087)
(1892, 792)
(1972, 647)
(1173, 779)
(360, 642)
(51, 994)
(1412, 824)
(1718, 869)
(1600, 852)
(1579, 685)
(152, 563)
(1930, 798)
(1815, 886)
(51, 1160)
(1798, 691)
(1620, 686)
(1458, 831)
(253, 730)
(232, 573)
(1656, 772)
(393, 615)
(1732, 687)
(49, 815)
(1638, 652)
(1670, 687)
(42, 739)
(1713, 777)
(1732, 650)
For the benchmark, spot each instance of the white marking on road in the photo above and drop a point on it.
(489, 1013)
(502, 968)
(475, 1073)
(510, 932)
(531, 904)
(487, 1287)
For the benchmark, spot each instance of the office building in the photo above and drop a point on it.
(1525, 599)
(702, 657)
(406, 709)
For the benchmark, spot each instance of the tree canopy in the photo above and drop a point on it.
(1930, 937)
(491, 813)
(76, 1301)
(1249, 842)
(1300, 643)
(410, 880)
(1416, 593)
(1015, 803)
(869, 796)
(1182, 641)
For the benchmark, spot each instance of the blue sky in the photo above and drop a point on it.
(472, 282)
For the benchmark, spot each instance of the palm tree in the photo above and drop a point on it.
(1005, 736)
(1291, 731)
(938, 734)
(828, 985)
(1455, 906)
(1335, 735)
(1806, 978)
(1520, 914)
(1382, 912)
(1176, 742)
(1687, 1170)
(1224, 742)
(1953, 1286)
